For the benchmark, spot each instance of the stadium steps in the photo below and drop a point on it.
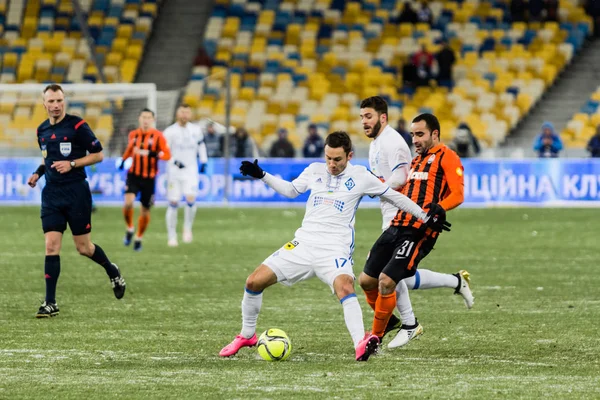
(178, 33)
(565, 98)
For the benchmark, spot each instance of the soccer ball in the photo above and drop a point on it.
(274, 345)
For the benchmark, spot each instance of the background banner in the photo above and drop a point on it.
(534, 182)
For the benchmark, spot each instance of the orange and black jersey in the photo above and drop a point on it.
(436, 177)
(140, 145)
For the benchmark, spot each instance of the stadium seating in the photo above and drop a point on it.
(42, 42)
(300, 61)
(582, 125)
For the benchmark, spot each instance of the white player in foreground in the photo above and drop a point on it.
(389, 160)
(188, 158)
(324, 244)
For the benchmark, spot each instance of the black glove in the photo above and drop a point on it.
(436, 218)
(152, 153)
(179, 164)
(122, 166)
(252, 169)
(202, 169)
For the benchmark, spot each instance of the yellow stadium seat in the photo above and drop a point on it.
(113, 59)
(595, 119)
(524, 102)
(124, 31)
(583, 117)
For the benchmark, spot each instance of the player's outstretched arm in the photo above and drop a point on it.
(281, 186)
(404, 203)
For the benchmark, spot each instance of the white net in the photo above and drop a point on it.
(109, 109)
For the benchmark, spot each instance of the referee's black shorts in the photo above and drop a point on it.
(69, 203)
(144, 187)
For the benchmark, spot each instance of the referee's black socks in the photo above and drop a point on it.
(51, 273)
(99, 257)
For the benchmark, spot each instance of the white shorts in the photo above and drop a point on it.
(296, 262)
(184, 185)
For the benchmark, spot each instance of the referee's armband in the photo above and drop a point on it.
(41, 170)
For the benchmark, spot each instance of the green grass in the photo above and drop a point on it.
(533, 331)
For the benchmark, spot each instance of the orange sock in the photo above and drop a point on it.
(384, 308)
(143, 222)
(371, 296)
(128, 214)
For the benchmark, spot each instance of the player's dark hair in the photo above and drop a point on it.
(184, 105)
(431, 121)
(53, 87)
(147, 110)
(339, 139)
(377, 103)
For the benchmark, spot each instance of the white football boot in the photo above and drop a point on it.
(464, 287)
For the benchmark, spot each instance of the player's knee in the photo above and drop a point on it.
(344, 286)
(386, 284)
(256, 282)
(366, 282)
(174, 204)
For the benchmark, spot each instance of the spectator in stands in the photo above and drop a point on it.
(464, 143)
(535, 10)
(404, 133)
(551, 7)
(446, 60)
(423, 60)
(282, 147)
(408, 14)
(425, 14)
(212, 140)
(202, 58)
(547, 144)
(517, 10)
(593, 145)
(592, 7)
(314, 144)
(474, 140)
(240, 145)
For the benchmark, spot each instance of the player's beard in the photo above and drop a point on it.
(374, 130)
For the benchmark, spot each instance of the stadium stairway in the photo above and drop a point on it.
(177, 35)
(170, 53)
(572, 89)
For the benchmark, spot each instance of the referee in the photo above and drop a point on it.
(66, 198)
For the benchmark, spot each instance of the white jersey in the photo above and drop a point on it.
(333, 201)
(187, 145)
(388, 152)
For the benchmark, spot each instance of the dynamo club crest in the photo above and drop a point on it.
(65, 149)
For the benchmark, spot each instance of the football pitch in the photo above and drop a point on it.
(532, 333)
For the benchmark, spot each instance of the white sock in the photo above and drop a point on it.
(426, 279)
(189, 215)
(403, 304)
(171, 218)
(251, 304)
(353, 317)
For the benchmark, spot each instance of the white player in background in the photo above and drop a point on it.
(188, 159)
(389, 160)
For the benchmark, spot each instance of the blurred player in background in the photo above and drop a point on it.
(188, 158)
(324, 244)
(65, 141)
(435, 182)
(146, 146)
